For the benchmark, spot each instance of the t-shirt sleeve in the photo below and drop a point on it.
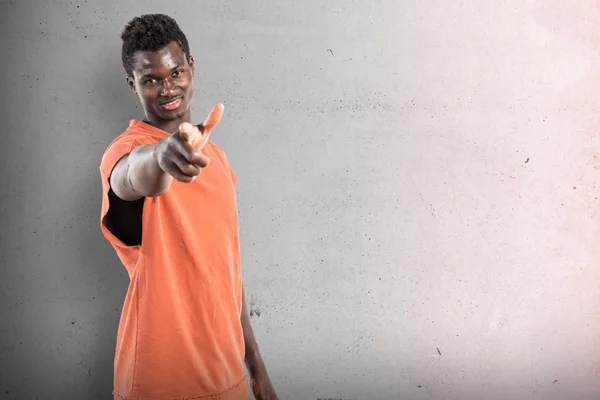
(225, 161)
(115, 151)
(233, 177)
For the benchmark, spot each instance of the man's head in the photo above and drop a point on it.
(156, 58)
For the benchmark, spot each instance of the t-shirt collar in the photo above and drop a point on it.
(135, 123)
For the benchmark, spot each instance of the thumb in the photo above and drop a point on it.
(213, 119)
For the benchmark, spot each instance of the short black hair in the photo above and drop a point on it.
(150, 32)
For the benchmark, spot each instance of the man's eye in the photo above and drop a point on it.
(178, 72)
(150, 81)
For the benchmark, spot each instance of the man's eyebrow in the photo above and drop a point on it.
(149, 75)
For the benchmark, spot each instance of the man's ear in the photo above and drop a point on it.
(131, 83)
(192, 65)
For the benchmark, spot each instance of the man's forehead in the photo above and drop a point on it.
(166, 58)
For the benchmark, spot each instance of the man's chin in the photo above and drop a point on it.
(172, 115)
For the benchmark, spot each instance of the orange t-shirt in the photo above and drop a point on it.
(180, 335)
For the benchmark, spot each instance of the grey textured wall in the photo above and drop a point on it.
(417, 192)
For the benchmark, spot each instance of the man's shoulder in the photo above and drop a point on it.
(136, 133)
(124, 144)
(219, 151)
(133, 132)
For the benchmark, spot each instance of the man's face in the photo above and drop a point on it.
(163, 80)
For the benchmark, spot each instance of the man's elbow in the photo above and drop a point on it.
(120, 182)
(123, 191)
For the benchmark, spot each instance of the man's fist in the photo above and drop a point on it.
(180, 154)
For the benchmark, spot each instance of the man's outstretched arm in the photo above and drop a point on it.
(149, 169)
(260, 383)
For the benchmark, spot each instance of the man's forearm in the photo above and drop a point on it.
(145, 175)
(139, 175)
(253, 358)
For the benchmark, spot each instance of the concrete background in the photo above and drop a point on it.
(417, 187)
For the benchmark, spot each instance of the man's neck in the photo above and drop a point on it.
(170, 126)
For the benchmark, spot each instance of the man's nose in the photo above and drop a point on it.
(168, 88)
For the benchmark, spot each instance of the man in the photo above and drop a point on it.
(169, 210)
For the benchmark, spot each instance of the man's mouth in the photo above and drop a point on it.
(172, 105)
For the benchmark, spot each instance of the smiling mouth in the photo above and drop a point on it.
(172, 105)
